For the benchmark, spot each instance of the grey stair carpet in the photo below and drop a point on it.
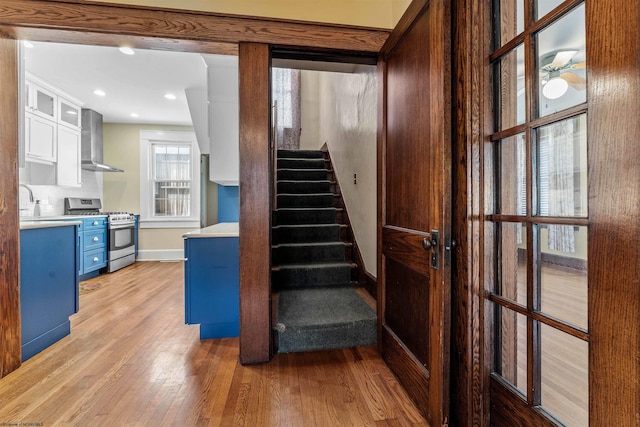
(317, 305)
(325, 318)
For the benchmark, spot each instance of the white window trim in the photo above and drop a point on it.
(147, 138)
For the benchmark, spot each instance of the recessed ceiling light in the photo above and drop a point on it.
(134, 115)
(99, 92)
(27, 43)
(170, 96)
(127, 50)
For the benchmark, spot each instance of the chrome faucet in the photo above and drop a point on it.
(29, 190)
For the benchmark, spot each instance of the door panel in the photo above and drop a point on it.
(415, 219)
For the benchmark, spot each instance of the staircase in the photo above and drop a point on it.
(317, 305)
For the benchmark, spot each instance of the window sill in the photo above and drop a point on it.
(169, 223)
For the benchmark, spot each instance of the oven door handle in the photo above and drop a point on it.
(120, 226)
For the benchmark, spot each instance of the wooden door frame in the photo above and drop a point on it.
(80, 22)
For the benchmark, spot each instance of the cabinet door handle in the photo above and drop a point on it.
(96, 259)
(95, 223)
(95, 239)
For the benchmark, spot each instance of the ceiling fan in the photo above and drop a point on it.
(556, 73)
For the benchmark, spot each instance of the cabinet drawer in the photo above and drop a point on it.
(94, 223)
(94, 260)
(94, 239)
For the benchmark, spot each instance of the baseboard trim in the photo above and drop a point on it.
(160, 255)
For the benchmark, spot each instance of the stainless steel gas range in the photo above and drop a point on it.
(120, 230)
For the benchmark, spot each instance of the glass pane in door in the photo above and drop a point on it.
(565, 379)
(511, 353)
(511, 93)
(513, 175)
(511, 20)
(545, 6)
(563, 273)
(561, 175)
(561, 63)
(513, 262)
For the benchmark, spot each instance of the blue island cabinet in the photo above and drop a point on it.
(48, 285)
(212, 279)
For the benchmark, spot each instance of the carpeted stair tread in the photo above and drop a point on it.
(303, 174)
(304, 186)
(305, 233)
(317, 319)
(311, 275)
(318, 154)
(320, 200)
(310, 252)
(301, 216)
(300, 163)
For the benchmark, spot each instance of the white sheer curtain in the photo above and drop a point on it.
(561, 199)
(285, 84)
(172, 176)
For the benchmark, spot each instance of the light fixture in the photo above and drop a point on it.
(170, 96)
(99, 92)
(555, 87)
(134, 115)
(127, 50)
(28, 44)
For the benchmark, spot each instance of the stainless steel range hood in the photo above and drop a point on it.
(92, 143)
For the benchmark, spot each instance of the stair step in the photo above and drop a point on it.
(319, 319)
(293, 253)
(303, 174)
(309, 154)
(311, 275)
(307, 233)
(300, 163)
(300, 216)
(321, 200)
(304, 187)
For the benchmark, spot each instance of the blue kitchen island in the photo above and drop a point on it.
(49, 253)
(212, 280)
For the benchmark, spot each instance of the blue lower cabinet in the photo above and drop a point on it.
(48, 285)
(212, 280)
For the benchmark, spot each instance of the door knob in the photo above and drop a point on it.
(427, 243)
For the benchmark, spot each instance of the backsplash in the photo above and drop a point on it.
(52, 196)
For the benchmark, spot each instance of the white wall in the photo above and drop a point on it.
(346, 119)
(52, 196)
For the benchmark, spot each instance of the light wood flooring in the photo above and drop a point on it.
(131, 360)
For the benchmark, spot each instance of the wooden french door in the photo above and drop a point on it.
(415, 207)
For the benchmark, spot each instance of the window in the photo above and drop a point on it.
(169, 180)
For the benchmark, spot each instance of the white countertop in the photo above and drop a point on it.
(221, 229)
(27, 225)
(60, 217)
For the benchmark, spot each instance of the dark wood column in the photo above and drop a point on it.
(10, 348)
(255, 208)
(613, 55)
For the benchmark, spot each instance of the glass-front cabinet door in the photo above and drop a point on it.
(537, 211)
(69, 113)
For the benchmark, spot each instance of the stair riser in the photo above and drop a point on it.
(294, 339)
(292, 217)
(301, 164)
(303, 175)
(306, 234)
(306, 154)
(294, 278)
(308, 254)
(304, 187)
(305, 201)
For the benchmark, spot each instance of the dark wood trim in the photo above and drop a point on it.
(255, 203)
(138, 21)
(10, 342)
(510, 409)
(381, 149)
(613, 129)
(406, 21)
(471, 39)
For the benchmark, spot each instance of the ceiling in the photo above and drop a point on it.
(133, 83)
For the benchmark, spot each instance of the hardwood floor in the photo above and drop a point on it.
(131, 360)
